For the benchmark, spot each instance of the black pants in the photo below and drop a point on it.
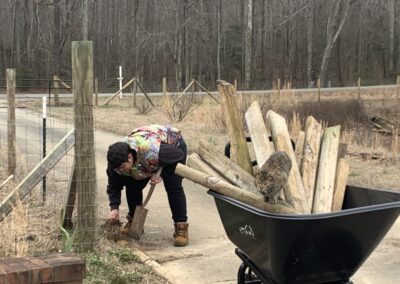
(173, 186)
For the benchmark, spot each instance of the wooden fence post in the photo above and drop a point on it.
(398, 86)
(134, 91)
(319, 89)
(236, 85)
(55, 87)
(96, 92)
(164, 86)
(359, 89)
(11, 134)
(85, 166)
(279, 89)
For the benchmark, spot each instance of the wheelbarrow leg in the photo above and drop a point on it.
(246, 276)
(248, 272)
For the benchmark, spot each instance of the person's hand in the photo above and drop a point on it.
(155, 179)
(113, 215)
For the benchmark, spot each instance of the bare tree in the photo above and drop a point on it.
(248, 45)
(334, 26)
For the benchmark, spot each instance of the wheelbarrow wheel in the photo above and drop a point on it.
(246, 275)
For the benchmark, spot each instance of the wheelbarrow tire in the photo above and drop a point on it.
(241, 277)
(246, 276)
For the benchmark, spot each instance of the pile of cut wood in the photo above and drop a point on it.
(314, 181)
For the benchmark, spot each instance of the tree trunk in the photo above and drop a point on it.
(248, 43)
(56, 38)
(219, 31)
(310, 32)
(85, 19)
(336, 20)
(391, 9)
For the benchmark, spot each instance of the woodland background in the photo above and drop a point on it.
(252, 41)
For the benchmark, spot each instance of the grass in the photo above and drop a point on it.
(117, 265)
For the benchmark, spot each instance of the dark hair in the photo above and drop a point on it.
(118, 154)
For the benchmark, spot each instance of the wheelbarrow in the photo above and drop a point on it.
(306, 249)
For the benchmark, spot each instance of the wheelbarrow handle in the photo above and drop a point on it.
(158, 173)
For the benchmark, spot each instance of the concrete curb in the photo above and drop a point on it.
(155, 266)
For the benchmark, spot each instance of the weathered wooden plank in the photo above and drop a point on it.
(144, 93)
(227, 168)
(194, 161)
(294, 193)
(36, 175)
(310, 155)
(63, 83)
(184, 91)
(119, 91)
(239, 150)
(327, 164)
(7, 180)
(11, 134)
(258, 133)
(299, 147)
(342, 172)
(230, 190)
(207, 92)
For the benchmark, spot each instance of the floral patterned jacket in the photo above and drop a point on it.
(146, 141)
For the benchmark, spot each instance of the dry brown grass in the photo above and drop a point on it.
(32, 227)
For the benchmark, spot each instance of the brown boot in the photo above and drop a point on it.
(127, 227)
(181, 235)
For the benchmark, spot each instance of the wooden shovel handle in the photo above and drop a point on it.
(158, 173)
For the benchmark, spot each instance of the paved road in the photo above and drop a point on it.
(210, 256)
(250, 92)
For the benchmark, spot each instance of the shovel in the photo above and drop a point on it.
(139, 217)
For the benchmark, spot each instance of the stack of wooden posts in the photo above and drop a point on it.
(317, 180)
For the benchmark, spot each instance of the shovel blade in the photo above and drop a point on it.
(139, 218)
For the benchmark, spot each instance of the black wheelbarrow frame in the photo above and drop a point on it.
(318, 248)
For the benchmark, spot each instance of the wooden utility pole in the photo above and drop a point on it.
(85, 166)
(359, 89)
(11, 134)
(56, 80)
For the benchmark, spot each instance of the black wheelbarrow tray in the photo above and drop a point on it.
(319, 248)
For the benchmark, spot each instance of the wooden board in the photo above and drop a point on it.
(194, 161)
(294, 193)
(342, 172)
(323, 195)
(239, 150)
(310, 155)
(227, 168)
(235, 192)
(258, 133)
(37, 174)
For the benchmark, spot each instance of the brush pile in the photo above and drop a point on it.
(306, 179)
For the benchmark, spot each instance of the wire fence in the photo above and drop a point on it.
(33, 225)
(111, 85)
